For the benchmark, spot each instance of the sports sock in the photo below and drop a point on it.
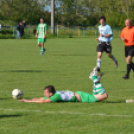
(95, 79)
(42, 49)
(99, 63)
(114, 59)
(129, 66)
(98, 89)
(94, 91)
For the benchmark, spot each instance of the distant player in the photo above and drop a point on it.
(106, 35)
(50, 95)
(41, 35)
(127, 36)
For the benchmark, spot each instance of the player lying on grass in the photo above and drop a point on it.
(50, 95)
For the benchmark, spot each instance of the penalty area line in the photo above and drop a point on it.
(64, 112)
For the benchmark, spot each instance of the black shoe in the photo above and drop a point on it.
(126, 77)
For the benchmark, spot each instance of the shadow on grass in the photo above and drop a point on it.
(26, 71)
(71, 55)
(9, 116)
(117, 71)
(121, 101)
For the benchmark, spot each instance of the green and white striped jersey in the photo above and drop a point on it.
(41, 30)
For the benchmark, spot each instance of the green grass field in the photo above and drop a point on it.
(66, 64)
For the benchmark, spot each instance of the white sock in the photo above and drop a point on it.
(99, 63)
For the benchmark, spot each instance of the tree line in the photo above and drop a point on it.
(68, 12)
(18, 10)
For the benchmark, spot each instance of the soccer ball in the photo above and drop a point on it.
(17, 94)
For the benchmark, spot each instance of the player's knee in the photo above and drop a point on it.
(129, 60)
(109, 55)
(99, 56)
(106, 96)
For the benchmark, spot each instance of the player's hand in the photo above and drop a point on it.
(44, 37)
(101, 34)
(123, 39)
(36, 36)
(97, 39)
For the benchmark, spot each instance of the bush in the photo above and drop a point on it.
(6, 31)
(6, 36)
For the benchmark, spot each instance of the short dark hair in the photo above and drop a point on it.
(42, 18)
(103, 17)
(50, 88)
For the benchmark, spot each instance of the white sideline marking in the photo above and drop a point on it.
(21, 110)
(110, 115)
(64, 112)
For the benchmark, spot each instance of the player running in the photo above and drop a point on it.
(106, 35)
(127, 36)
(50, 95)
(41, 35)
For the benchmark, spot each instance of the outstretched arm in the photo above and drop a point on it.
(36, 100)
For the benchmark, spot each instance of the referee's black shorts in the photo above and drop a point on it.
(129, 51)
(104, 46)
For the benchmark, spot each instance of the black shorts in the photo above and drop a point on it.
(129, 51)
(104, 46)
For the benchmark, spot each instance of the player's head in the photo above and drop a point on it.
(102, 20)
(20, 23)
(41, 20)
(24, 21)
(128, 23)
(49, 91)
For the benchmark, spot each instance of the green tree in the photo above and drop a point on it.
(17, 10)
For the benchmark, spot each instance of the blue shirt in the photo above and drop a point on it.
(104, 31)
